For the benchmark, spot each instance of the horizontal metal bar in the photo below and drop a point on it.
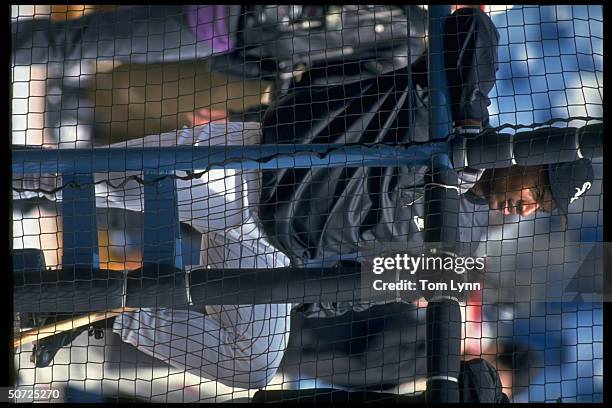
(80, 288)
(170, 159)
(490, 149)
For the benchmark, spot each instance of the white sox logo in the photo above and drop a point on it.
(580, 191)
(420, 222)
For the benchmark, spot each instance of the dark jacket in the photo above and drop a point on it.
(323, 212)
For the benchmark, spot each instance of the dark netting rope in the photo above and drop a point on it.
(191, 175)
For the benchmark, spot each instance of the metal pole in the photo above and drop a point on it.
(262, 157)
(441, 223)
(86, 289)
(440, 120)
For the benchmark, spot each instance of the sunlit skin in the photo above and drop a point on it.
(515, 193)
(517, 190)
(205, 116)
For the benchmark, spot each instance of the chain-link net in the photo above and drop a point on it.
(201, 194)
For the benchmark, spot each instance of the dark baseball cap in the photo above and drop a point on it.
(569, 182)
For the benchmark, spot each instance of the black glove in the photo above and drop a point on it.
(479, 382)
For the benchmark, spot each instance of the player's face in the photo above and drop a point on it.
(516, 190)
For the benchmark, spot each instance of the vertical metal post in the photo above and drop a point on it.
(162, 232)
(442, 203)
(441, 222)
(442, 200)
(80, 229)
(443, 350)
(440, 119)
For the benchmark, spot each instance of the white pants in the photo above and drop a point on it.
(241, 345)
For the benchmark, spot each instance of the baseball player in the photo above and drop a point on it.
(317, 216)
(242, 346)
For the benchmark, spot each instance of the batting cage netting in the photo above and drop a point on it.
(307, 203)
